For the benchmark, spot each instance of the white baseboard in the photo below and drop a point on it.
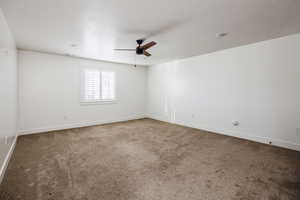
(77, 125)
(7, 158)
(265, 140)
(159, 118)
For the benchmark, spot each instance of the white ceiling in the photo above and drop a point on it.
(181, 28)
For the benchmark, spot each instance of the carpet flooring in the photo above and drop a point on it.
(148, 160)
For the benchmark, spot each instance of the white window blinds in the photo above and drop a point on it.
(97, 86)
(107, 85)
(91, 85)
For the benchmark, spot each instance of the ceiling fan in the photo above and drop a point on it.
(140, 49)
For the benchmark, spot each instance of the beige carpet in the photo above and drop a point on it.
(148, 160)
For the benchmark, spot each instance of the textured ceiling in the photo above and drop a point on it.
(181, 28)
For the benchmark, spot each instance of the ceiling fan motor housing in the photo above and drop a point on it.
(139, 50)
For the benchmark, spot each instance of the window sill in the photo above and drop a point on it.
(98, 102)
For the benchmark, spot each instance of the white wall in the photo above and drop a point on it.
(257, 85)
(8, 93)
(49, 93)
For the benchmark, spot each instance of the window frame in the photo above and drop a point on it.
(82, 101)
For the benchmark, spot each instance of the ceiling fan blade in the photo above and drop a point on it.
(146, 53)
(124, 49)
(148, 45)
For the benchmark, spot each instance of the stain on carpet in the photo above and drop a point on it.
(148, 160)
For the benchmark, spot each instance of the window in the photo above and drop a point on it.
(97, 86)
